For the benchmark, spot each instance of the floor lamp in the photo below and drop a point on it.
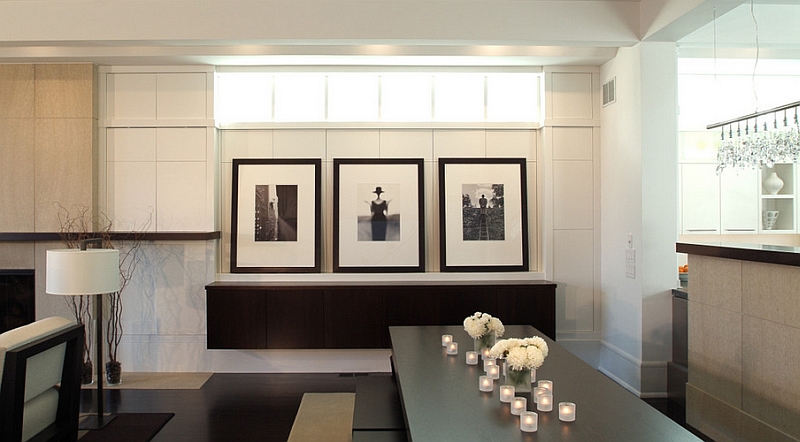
(86, 271)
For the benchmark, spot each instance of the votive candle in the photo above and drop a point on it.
(537, 392)
(493, 372)
(566, 411)
(446, 339)
(452, 348)
(546, 384)
(518, 405)
(485, 383)
(472, 358)
(506, 393)
(488, 362)
(485, 353)
(528, 421)
(545, 402)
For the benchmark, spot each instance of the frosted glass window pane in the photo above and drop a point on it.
(458, 97)
(300, 97)
(353, 97)
(512, 97)
(244, 97)
(406, 97)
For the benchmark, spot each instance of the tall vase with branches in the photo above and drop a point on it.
(84, 224)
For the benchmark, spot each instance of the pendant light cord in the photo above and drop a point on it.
(758, 50)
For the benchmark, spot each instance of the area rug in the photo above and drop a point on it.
(324, 417)
(129, 427)
(158, 381)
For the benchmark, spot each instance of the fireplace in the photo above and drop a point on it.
(17, 298)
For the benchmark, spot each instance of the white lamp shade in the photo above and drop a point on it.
(82, 272)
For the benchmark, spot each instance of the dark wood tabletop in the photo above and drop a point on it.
(441, 400)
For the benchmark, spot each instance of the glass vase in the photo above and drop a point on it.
(520, 379)
(486, 341)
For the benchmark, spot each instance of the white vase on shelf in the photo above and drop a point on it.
(773, 184)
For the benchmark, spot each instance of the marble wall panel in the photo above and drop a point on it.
(65, 91)
(17, 255)
(770, 292)
(17, 175)
(17, 91)
(63, 168)
(715, 352)
(716, 282)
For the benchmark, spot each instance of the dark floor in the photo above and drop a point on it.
(245, 406)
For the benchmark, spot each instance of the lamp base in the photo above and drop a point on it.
(95, 422)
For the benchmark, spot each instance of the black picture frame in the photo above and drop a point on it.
(275, 216)
(378, 238)
(489, 235)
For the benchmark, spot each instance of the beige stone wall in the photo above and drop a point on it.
(744, 327)
(48, 127)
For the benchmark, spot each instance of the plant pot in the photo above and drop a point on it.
(113, 373)
(86, 373)
(520, 379)
(486, 341)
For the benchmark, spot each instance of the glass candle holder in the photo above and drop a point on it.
(485, 383)
(546, 384)
(488, 362)
(533, 375)
(545, 402)
(518, 405)
(506, 393)
(528, 421)
(537, 392)
(566, 411)
(472, 357)
(493, 372)
(485, 353)
(452, 348)
(446, 340)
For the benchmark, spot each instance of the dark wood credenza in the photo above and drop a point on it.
(259, 315)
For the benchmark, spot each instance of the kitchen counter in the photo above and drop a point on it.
(766, 253)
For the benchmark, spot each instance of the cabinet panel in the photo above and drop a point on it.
(700, 209)
(356, 318)
(777, 199)
(236, 319)
(739, 201)
(291, 327)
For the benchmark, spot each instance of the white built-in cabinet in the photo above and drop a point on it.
(736, 200)
(158, 146)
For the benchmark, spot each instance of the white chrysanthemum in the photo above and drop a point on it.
(540, 344)
(535, 357)
(516, 358)
(497, 325)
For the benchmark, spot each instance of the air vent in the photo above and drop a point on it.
(610, 92)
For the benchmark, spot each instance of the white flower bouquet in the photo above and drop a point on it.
(480, 324)
(521, 354)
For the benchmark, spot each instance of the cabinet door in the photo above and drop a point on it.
(700, 207)
(739, 201)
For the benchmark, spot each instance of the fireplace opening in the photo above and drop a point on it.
(17, 298)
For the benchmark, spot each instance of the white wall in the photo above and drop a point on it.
(639, 193)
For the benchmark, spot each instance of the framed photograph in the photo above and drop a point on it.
(378, 215)
(275, 219)
(483, 215)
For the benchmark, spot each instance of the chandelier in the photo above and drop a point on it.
(760, 139)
